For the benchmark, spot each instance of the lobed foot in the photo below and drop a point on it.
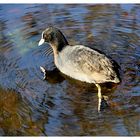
(44, 72)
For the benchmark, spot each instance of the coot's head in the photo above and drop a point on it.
(54, 37)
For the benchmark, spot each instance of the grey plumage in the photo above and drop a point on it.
(80, 59)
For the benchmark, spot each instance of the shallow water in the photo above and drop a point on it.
(60, 106)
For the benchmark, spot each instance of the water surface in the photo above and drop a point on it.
(60, 106)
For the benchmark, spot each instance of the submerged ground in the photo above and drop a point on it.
(60, 106)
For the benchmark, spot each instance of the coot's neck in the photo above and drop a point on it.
(59, 43)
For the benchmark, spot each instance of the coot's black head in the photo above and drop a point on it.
(54, 37)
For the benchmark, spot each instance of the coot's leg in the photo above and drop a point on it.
(102, 100)
(99, 97)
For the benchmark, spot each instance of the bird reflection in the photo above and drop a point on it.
(52, 76)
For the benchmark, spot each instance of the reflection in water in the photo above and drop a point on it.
(60, 106)
(52, 76)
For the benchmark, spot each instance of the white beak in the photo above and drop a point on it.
(41, 41)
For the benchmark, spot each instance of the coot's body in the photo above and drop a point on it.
(80, 62)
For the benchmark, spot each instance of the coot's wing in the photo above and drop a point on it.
(94, 63)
